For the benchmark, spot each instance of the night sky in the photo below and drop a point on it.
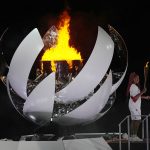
(129, 18)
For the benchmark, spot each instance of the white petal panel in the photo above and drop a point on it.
(116, 85)
(10, 96)
(90, 108)
(40, 102)
(93, 71)
(22, 62)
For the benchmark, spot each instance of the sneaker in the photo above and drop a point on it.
(131, 138)
(125, 136)
(136, 138)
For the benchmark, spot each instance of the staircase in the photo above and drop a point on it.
(126, 144)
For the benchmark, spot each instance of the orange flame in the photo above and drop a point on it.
(146, 65)
(146, 69)
(62, 50)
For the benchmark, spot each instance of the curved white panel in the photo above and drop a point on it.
(93, 71)
(22, 62)
(40, 102)
(90, 108)
(9, 94)
(117, 84)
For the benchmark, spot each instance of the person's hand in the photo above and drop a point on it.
(148, 97)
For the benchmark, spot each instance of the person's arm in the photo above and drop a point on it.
(135, 98)
(145, 97)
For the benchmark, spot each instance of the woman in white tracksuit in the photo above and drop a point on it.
(135, 95)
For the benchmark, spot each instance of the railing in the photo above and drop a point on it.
(127, 118)
(147, 130)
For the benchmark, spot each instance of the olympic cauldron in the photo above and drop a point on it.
(59, 95)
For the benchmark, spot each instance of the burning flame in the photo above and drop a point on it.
(146, 65)
(62, 50)
(146, 69)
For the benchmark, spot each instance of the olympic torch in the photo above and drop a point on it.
(146, 69)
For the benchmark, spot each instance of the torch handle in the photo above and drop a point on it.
(146, 68)
(145, 81)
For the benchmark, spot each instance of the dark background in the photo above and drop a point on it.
(129, 18)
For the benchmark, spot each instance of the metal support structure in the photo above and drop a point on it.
(147, 130)
(128, 122)
(120, 131)
(119, 137)
(147, 134)
(127, 118)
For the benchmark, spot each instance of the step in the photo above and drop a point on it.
(124, 145)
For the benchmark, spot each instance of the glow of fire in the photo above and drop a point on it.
(62, 50)
(146, 69)
(147, 65)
